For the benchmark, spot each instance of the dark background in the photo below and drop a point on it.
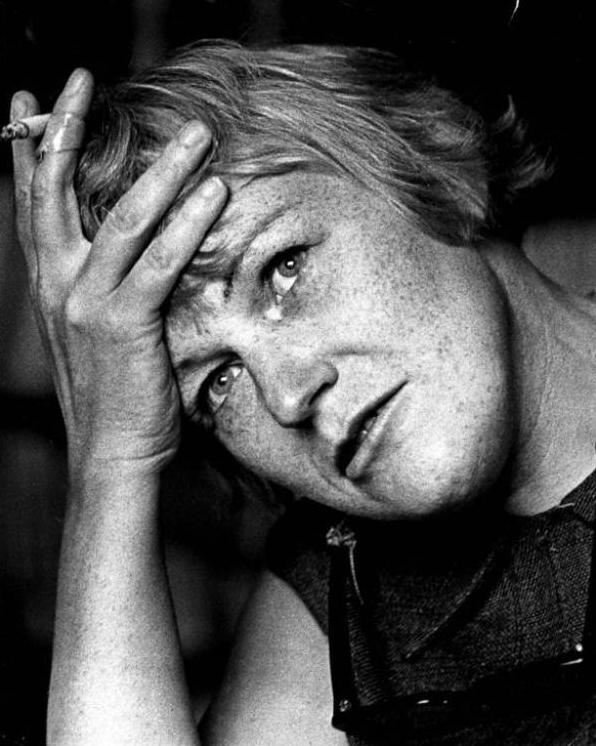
(542, 54)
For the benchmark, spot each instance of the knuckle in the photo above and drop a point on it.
(78, 310)
(42, 300)
(125, 221)
(48, 301)
(158, 258)
(22, 193)
(41, 188)
(24, 232)
(88, 315)
(116, 322)
(49, 182)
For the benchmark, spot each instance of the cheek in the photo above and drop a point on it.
(251, 435)
(236, 421)
(458, 435)
(458, 430)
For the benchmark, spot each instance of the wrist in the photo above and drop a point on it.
(114, 452)
(99, 464)
(118, 483)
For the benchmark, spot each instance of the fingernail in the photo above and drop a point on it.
(19, 106)
(212, 187)
(75, 81)
(193, 134)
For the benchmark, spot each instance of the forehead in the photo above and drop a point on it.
(258, 204)
(264, 215)
(265, 212)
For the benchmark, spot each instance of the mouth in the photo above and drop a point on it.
(361, 435)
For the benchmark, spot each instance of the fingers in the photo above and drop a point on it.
(158, 268)
(55, 214)
(126, 232)
(24, 105)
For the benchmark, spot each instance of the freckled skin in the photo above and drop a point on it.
(376, 306)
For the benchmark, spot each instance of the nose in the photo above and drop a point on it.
(292, 385)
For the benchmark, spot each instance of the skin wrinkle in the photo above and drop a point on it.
(378, 274)
(428, 306)
(393, 336)
(223, 251)
(231, 236)
(229, 241)
(554, 450)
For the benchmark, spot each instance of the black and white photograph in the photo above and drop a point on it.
(297, 373)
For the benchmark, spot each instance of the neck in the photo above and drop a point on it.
(553, 345)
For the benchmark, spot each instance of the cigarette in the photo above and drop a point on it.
(23, 128)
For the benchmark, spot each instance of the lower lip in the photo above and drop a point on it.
(361, 460)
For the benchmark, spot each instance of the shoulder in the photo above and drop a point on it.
(297, 552)
(277, 687)
(563, 249)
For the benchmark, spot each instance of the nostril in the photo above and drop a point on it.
(294, 392)
(293, 411)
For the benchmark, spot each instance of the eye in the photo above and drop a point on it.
(284, 271)
(218, 385)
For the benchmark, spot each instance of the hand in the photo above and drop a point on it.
(99, 305)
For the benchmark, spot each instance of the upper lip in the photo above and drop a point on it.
(349, 446)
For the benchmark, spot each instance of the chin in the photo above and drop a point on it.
(435, 481)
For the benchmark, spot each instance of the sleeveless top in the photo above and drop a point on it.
(473, 629)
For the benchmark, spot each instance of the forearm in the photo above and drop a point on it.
(117, 674)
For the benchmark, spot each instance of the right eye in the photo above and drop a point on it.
(217, 386)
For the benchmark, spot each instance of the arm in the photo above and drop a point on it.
(117, 675)
(277, 688)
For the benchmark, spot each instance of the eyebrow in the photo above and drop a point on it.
(259, 225)
(231, 253)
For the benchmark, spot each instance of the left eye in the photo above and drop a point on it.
(285, 270)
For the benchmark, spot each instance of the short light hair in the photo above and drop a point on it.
(344, 110)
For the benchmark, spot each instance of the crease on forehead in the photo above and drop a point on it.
(191, 310)
(232, 234)
(187, 329)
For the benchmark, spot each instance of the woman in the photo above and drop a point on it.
(302, 249)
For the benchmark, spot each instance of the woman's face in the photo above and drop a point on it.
(346, 355)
